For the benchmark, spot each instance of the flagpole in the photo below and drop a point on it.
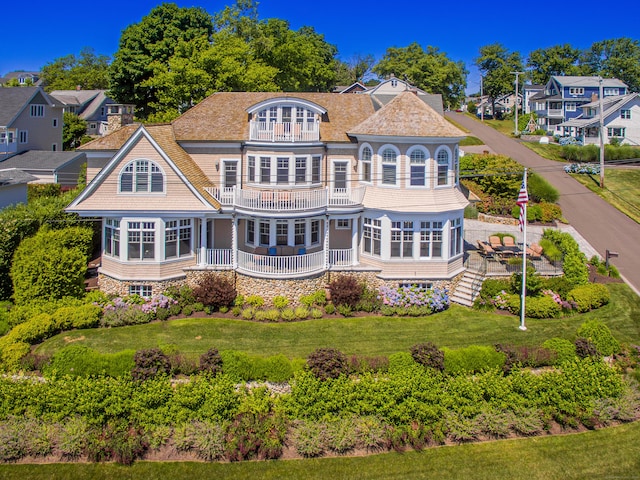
(524, 255)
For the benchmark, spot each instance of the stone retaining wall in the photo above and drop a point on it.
(482, 217)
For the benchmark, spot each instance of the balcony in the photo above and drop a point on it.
(282, 266)
(288, 200)
(284, 132)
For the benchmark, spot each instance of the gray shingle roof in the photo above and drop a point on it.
(574, 81)
(40, 160)
(12, 100)
(15, 176)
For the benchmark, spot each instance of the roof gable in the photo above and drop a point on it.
(13, 100)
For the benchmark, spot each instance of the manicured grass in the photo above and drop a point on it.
(549, 151)
(622, 189)
(607, 453)
(454, 328)
(470, 141)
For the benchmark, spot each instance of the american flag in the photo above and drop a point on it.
(523, 199)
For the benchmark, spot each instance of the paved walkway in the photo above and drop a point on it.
(600, 224)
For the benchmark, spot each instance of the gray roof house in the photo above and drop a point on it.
(13, 186)
(23, 78)
(48, 167)
(101, 113)
(29, 120)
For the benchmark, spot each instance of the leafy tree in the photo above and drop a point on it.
(355, 69)
(429, 70)
(89, 71)
(543, 63)
(51, 265)
(14, 82)
(616, 58)
(148, 43)
(496, 64)
(73, 130)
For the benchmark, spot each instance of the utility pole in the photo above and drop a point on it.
(601, 134)
(481, 97)
(516, 129)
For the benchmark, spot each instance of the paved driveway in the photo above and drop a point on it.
(602, 225)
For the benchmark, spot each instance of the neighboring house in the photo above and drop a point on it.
(62, 168)
(387, 90)
(29, 120)
(279, 192)
(621, 120)
(503, 104)
(563, 96)
(101, 113)
(13, 186)
(356, 87)
(529, 91)
(31, 79)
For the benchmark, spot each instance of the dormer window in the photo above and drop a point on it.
(389, 166)
(141, 176)
(285, 120)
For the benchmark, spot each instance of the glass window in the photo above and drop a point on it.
(389, 166)
(112, 237)
(402, 239)
(141, 240)
(418, 168)
(301, 170)
(615, 132)
(143, 291)
(230, 173)
(625, 114)
(265, 230)
(37, 110)
(343, 224)
(177, 238)
(431, 239)
(300, 232)
(443, 167)
(251, 232)
(315, 169)
(365, 159)
(282, 174)
(455, 235)
(611, 91)
(142, 176)
(372, 234)
(315, 232)
(282, 232)
(265, 169)
(251, 169)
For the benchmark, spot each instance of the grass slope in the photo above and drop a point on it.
(607, 453)
(454, 328)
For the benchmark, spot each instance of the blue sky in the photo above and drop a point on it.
(39, 31)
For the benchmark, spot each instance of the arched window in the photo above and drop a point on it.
(418, 168)
(389, 166)
(142, 176)
(443, 167)
(365, 159)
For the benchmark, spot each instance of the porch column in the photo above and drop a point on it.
(203, 241)
(234, 241)
(354, 241)
(326, 242)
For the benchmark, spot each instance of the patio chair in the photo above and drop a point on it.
(486, 250)
(534, 252)
(495, 242)
(508, 241)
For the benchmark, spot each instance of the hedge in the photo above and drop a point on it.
(589, 296)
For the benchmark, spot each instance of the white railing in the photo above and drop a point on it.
(219, 257)
(284, 131)
(341, 257)
(554, 112)
(288, 200)
(278, 266)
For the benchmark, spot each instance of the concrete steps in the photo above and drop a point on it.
(468, 288)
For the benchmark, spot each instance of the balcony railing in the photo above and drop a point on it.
(554, 112)
(281, 266)
(288, 200)
(284, 131)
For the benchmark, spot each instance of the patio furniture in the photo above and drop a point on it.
(486, 250)
(260, 251)
(494, 242)
(534, 252)
(508, 242)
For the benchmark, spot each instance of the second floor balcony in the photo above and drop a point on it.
(284, 132)
(288, 200)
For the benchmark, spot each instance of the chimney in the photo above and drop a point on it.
(78, 88)
(594, 96)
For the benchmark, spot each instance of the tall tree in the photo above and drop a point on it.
(543, 63)
(73, 130)
(429, 70)
(496, 65)
(87, 71)
(148, 43)
(616, 58)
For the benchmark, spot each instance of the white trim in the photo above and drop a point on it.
(286, 101)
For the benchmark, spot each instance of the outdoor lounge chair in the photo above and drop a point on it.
(485, 249)
(534, 252)
(508, 241)
(495, 242)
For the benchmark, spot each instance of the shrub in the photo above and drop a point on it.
(565, 350)
(254, 300)
(248, 313)
(237, 365)
(542, 307)
(327, 363)
(330, 309)
(272, 315)
(473, 359)
(80, 360)
(316, 313)
(150, 363)
(255, 436)
(309, 438)
(549, 212)
(214, 291)
(585, 348)
(211, 362)
(559, 284)
(370, 433)
(550, 250)
(280, 301)
(526, 356)
(288, 314)
(345, 290)
(277, 369)
(345, 310)
(575, 268)
(341, 435)
(429, 355)
(590, 296)
(301, 313)
(599, 334)
(540, 190)
(492, 287)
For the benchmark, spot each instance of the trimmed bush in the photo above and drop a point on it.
(590, 296)
(327, 363)
(211, 362)
(345, 290)
(150, 363)
(540, 190)
(82, 361)
(565, 350)
(429, 355)
(542, 307)
(473, 359)
(215, 292)
(599, 334)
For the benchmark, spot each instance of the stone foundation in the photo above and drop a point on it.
(120, 288)
(482, 217)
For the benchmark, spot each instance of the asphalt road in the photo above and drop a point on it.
(602, 225)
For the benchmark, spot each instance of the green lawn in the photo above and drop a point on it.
(454, 328)
(549, 151)
(622, 189)
(607, 453)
